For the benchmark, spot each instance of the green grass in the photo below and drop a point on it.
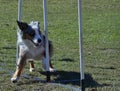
(100, 41)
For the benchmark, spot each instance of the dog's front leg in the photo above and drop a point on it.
(20, 65)
(32, 68)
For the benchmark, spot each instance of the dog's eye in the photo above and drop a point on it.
(32, 33)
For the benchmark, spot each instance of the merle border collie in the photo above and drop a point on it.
(31, 43)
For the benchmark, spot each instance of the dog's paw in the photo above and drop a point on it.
(52, 69)
(32, 69)
(14, 80)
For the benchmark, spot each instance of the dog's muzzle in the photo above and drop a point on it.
(37, 42)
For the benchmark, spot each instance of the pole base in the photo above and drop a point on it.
(47, 76)
(83, 85)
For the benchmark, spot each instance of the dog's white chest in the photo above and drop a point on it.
(36, 52)
(32, 51)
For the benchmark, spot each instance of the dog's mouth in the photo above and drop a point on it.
(36, 44)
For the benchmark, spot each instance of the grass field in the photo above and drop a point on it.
(101, 44)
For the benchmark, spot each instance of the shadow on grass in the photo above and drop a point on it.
(66, 77)
(8, 47)
(67, 60)
(108, 48)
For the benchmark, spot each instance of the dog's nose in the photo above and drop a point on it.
(39, 40)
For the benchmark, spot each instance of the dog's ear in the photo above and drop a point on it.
(22, 25)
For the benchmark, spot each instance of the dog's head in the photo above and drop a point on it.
(31, 32)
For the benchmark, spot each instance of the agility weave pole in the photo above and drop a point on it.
(19, 10)
(46, 40)
(19, 19)
(80, 46)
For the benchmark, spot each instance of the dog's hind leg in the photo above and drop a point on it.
(32, 68)
(20, 65)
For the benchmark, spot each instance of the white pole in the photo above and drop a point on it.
(80, 45)
(19, 10)
(46, 39)
(19, 19)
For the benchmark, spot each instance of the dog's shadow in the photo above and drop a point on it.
(66, 77)
(73, 78)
